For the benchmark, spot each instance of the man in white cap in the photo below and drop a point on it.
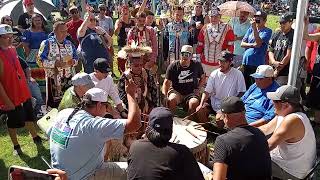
(81, 83)
(292, 144)
(15, 96)
(183, 82)
(214, 38)
(78, 136)
(259, 109)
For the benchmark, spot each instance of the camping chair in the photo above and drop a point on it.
(311, 174)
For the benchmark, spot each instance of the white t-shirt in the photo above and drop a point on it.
(108, 86)
(221, 85)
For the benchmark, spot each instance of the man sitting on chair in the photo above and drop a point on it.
(81, 83)
(184, 79)
(292, 144)
(223, 82)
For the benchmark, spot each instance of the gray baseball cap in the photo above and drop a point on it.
(286, 93)
(82, 79)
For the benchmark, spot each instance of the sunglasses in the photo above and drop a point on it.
(186, 54)
(8, 20)
(102, 9)
(74, 12)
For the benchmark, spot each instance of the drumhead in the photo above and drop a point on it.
(184, 132)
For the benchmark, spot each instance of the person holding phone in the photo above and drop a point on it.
(255, 41)
(94, 41)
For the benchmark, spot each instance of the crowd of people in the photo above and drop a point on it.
(237, 71)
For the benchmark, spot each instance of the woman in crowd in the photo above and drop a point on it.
(31, 43)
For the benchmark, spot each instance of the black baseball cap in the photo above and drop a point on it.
(102, 65)
(161, 120)
(226, 56)
(286, 93)
(232, 104)
(287, 17)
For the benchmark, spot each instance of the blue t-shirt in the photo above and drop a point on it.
(78, 148)
(256, 56)
(257, 104)
(34, 39)
(92, 48)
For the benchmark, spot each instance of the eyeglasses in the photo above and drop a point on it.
(74, 12)
(186, 54)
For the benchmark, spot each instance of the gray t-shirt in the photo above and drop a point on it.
(106, 23)
(78, 148)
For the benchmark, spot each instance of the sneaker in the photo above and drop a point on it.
(37, 140)
(17, 150)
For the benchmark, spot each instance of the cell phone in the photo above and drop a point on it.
(25, 173)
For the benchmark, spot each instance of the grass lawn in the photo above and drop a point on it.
(32, 157)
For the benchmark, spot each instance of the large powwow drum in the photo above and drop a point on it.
(184, 132)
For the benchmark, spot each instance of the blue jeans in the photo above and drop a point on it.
(36, 93)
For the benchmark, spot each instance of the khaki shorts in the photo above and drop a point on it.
(111, 170)
(181, 99)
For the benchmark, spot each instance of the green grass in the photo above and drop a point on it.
(32, 157)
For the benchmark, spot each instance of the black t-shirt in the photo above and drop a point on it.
(280, 43)
(24, 21)
(196, 31)
(245, 150)
(184, 80)
(172, 162)
(123, 33)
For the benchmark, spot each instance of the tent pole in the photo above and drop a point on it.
(297, 41)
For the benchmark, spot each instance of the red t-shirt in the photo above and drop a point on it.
(12, 78)
(73, 27)
(314, 51)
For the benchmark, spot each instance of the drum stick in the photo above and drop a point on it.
(189, 115)
(207, 131)
(194, 135)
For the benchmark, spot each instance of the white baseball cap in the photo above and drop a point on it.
(96, 94)
(263, 71)
(187, 48)
(6, 29)
(82, 79)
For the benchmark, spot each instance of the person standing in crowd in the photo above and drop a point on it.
(243, 152)
(161, 158)
(259, 109)
(24, 21)
(74, 24)
(292, 143)
(104, 81)
(104, 21)
(183, 83)
(95, 42)
(58, 56)
(214, 38)
(146, 94)
(81, 83)
(176, 35)
(31, 44)
(256, 43)
(144, 35)
(78, 136)
(15, 96)
(122, 27)
(313, 99)
(150, 21)
(223, 82)
(240, 26)
(280, 49)
(196, 23)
